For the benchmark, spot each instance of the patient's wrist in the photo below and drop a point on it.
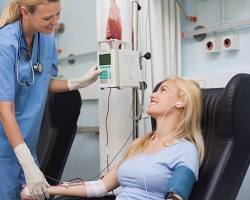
(52, 190)
(62, 190)
(59, 190)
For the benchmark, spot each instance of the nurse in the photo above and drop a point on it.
(27, 70)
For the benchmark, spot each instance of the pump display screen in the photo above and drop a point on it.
(105, 59)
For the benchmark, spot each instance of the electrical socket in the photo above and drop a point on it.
(230, 42)
(212, 44)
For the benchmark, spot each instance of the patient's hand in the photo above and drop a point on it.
(25, 195)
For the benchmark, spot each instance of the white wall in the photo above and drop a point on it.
(2, 4)
(79, 18)
(195, 60)
(79, 39)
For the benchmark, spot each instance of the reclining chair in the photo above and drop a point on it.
(57, 133)
(226, 130)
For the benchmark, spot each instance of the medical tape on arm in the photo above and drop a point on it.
(95, 188)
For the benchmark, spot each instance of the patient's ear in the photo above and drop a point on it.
(180, 104)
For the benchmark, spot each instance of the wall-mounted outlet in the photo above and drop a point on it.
(230, 42)
(212, 44)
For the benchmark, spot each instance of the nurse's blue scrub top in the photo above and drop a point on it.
(29, 100)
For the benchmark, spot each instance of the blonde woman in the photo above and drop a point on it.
(163, 164)
(28, 66)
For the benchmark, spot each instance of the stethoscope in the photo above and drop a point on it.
(38, 67)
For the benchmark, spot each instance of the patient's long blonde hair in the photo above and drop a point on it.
(12, 11)
(189, 121)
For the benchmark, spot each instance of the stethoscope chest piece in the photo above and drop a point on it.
(38, 67)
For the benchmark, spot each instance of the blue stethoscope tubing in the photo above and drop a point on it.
(34, 68)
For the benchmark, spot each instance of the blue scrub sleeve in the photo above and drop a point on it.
(7, 72)
(181, 182)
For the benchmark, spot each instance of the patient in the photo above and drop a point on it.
(163, 164)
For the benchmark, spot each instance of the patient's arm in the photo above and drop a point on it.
(76, 190)
(109, 180)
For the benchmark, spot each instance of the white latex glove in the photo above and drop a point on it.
(35, 180)
(89, 77)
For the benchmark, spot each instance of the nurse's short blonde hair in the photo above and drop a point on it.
(12, 11)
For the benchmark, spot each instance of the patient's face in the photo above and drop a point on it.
(164, 100)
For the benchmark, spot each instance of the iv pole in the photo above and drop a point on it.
(134, 17)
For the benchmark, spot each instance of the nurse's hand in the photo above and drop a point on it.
(35, 180)
(89, 77)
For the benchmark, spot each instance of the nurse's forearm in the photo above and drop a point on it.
(57, 85)
(8, 120)
(77, 190)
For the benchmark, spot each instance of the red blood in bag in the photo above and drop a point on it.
(114, 28)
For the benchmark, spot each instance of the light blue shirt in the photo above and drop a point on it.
(29, 100)
(147, 175)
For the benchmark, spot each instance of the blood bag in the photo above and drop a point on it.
(114, 28)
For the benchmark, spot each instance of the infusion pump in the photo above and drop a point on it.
(120, 66)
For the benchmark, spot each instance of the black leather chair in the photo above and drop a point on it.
(57, 133)
(226, 129)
